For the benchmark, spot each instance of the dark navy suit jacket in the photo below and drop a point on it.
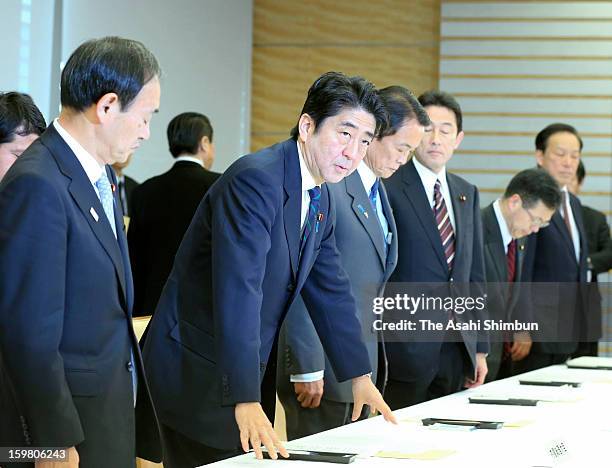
(421, 260)
(65, 311)
(236, 273)
(561, 306)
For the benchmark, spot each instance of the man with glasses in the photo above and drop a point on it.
(558, 259)
(530, 200)
(439, 241)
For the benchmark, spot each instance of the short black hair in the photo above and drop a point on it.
(443, 99)
(580, 172)
(401, 105)
(19, 116)
(333, 92)
(186, 130)
(533, 185)
(541, 140)
(106, 65)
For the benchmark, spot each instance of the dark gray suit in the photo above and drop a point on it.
(359, 238)
(503, 303)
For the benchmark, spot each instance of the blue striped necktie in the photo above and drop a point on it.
(311, 218)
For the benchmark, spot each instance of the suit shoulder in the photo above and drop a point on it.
(594, 214)
(461, 182)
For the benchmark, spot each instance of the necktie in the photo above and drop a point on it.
(566, 213)
(311, 218)
(445, 228)
(106, 198)
(122, 197)
(511, 257)
(374, 193)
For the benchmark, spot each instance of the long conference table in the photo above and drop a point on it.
(568, 427)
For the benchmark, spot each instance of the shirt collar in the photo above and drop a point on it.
(308, 181)
(367, 176)
(503, 225)
(428, 176)
(185, 157)
(92, 168)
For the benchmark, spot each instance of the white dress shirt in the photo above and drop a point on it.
(428, 178)
(185, 157)
(503, 226)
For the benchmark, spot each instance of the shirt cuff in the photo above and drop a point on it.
(310, 377)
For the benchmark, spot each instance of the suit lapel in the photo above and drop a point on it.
(293, 202)
(459, 212)
(557, 221)
(415, 192)
(392, 247)
(85, 197)
(495, 243)
(361, 205)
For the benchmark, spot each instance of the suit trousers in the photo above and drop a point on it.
(302, 422)
(182, 452)
(448, 379)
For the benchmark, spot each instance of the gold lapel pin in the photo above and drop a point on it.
(462, 198)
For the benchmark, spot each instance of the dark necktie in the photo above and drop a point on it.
(445, 228)
(511, 257)
(312, 215)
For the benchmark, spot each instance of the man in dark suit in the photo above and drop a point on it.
(70, 363)
(313, 399)
(558, 259)
(162, 207)
(125, 186)
(531, 198)
(600, 255)
(440, 241)
(263, 233)
(21, 123)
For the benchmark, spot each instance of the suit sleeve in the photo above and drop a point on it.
(303, 346)
(477, 275)
(243, 216)
(33, 255)
(330, 303)
(602, 257)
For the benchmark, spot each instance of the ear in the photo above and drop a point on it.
(539, 157)
(306, 127)
(459, 139)
(205, 144)
(107, 106)
(515, 202)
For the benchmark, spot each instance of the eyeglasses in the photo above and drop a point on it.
(536, 221)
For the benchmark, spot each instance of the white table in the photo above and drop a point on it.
(581, 418)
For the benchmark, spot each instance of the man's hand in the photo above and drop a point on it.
(366, 393)
(71, 462)
(309, 393)
(255, 428)
(521, 346)
(481, 372)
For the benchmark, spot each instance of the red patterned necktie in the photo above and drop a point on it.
(445, 228)
(511, 256)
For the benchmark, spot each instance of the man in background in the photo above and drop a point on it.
(313, 398)
(600, 254)
(557, 258)
(20, 124)
(439, 242)
(125, 186)
(163, 206)
(530, 200)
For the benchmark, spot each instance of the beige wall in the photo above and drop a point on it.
(386, 41)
